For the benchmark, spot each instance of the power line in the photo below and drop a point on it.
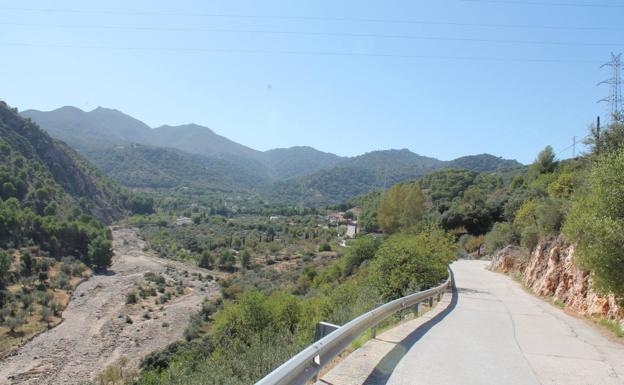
(310, 18)
(547, 3)
(306, 33)
(307, 53)
(573, 145)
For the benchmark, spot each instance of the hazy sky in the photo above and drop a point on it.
(269, 73)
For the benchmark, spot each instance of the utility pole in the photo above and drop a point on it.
(597, 144)
(615, 97)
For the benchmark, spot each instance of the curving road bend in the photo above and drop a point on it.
(492, 332)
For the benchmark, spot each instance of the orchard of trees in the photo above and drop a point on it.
(266, 315)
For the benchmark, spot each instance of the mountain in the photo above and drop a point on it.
(297, 161)
(195, 156)
(483, 163)
(373, 170)
(141, 166)
(102, 127)
(45, 170)
(53, 202)
(201, 140)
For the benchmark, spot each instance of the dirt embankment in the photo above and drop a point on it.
(550, 271)
(96, 331)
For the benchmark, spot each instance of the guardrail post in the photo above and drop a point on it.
(439, 297)
(416, 309)
(431, 302)
(374, 328)
(323, 329)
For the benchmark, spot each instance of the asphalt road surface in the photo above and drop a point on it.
(490, 331)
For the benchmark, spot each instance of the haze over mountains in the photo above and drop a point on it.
(195, 156)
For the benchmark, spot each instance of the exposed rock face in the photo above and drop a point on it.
(550, 271)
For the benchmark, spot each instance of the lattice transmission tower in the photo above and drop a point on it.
(615, 98)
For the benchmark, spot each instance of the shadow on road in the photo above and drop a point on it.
(386, 366)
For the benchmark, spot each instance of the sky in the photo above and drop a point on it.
(443, 78)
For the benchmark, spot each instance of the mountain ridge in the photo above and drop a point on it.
(195, 155)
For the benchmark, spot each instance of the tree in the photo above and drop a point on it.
(226, 260)
(8, 190)
(473, 212)
(206, 261)
(544, 164)
(368, 219)
(14, 322)
(27, 263)
(245, 259)
(140, 203)
(596, 223)
(325, 247)
(402, 206)
(5, 266)
(101, 253)
(609, 140)
(44, 314)
(362, 249)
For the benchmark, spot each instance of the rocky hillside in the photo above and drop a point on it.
(40, 171)
(550, 271)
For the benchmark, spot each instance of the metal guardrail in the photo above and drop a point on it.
(307, 363)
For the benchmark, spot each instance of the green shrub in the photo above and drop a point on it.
(362, 249)
(325, 247)
(409, 263)
(596, 223)
(131, 298)
(501, 235)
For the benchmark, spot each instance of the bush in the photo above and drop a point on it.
(362, 249)
(193, 329)
(45, 313)
(206, 261)
(131, 298)
(61, 281)
(325, 247)
(529, 237)
(596, 223)
(14, 322)
(101, 253)
(502, 234)
(409, 263)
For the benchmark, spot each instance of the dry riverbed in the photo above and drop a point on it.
(99, 328)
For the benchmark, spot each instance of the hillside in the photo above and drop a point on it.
(140, 166)
(483, 163)
(374, 170)
(292, 162)
(195, 156)
(95, 132)
(42, 171)
(102, 127)
(201, 140)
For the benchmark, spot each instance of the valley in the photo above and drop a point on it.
(286, 192)
(100, 328)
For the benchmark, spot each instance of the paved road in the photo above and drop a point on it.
(493, 332)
